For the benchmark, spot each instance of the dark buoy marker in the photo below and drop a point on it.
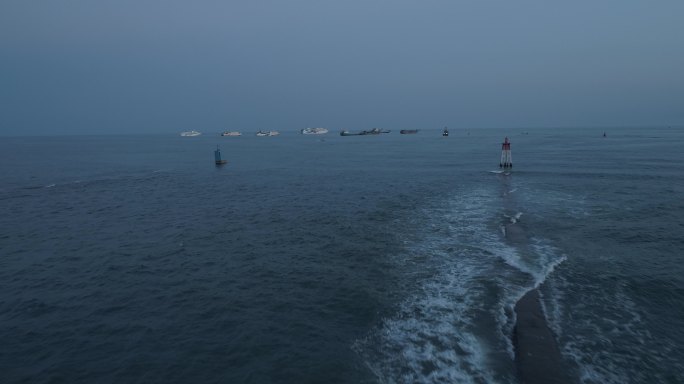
(506, 159)
(217, 157)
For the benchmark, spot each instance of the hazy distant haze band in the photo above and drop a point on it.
(84, 67)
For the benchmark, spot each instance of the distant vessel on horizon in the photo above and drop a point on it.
(231, 133)
(445, 132)
(190, 133)
(314, 131)
(408, 131)
(374, 131)
(269, 133)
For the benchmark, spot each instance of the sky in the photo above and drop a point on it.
(142, 66)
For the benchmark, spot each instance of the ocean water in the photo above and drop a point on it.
(365, 259)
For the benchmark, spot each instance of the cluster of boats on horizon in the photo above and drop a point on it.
(506, 162)
(506, 159)
(318, 131)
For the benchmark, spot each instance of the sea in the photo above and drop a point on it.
(329, 259)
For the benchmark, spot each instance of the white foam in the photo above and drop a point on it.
(548, 270)
(513, 219)
(429, 340)
(436, 334)
(50, 185)
(548, 258)
(512, 258)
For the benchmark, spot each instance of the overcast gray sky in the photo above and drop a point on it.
(167, 66)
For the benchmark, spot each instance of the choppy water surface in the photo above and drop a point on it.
(338, 259)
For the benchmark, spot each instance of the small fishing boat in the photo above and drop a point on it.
(347, 133)
(231, 133)
(269, 133)
(190, 133)
(445, 132)
(314, 131)
(374, 131)
(408, 131)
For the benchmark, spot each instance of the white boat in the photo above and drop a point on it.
(314, 131)
(269, 133)
(190, 133)
(231, 133)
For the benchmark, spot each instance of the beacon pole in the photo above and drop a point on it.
(506, 159)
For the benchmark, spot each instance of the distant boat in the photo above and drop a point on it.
(347, 133)
(374, 131)
(445, 132)
(408, 131)
(231, 133)
(190, 133)
(314, 131)
(217, 157)
(269, 133)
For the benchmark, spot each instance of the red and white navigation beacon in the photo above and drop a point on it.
(506, 159)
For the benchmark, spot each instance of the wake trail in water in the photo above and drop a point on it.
(456, 326)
